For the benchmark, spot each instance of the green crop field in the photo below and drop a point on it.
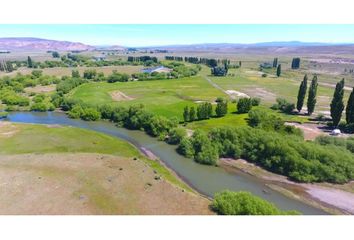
(165, 97)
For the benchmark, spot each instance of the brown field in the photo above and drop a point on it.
(60, 71)
(41, 89)
(86, 183)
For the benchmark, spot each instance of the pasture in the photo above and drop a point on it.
(164, 97)
(66, 170)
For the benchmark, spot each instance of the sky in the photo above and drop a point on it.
(137, 35)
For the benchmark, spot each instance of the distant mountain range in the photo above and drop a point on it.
(38, 44)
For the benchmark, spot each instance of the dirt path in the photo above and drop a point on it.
(231, 93)
(119, 96)
(311, 131)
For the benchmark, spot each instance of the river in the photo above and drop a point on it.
(205, 179)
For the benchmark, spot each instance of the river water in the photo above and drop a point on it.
(205, 179)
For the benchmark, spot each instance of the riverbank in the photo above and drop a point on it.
(332, 198)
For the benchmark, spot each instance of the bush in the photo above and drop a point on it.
(90, 114)
(244, 203)
(204, 151)
(244, 105)
(176, 135)
(284, 106)
(39, 107)
(255, 101)
(185, 148)
(117, 77)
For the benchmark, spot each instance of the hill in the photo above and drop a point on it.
(38, 44)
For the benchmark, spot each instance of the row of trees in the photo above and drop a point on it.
(295, 64)
(337, 103)
(142, 59)
(291, 156)
(311, 99)
(6, 66)
(203, 111)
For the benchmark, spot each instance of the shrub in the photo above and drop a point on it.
(175, 135)
(185, 148)
(244, 105)
(117, 77)
(244, 203)
(39, 107)
(255, 101)
(90, 114)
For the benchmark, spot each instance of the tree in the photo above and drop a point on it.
(244, 105)
(337, 104)
(192, 114)
(75, 74)
(295, 64)
(301, 94)
(311, 100)
(275, 62)
(349, 111)
(279, 70)
(221, 108)
(186, 114)
(29, 62)
(239, 63)
(55, 55)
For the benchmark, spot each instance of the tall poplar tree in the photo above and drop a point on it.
(29, 62)
(337, 104)
(279, 70)
(311, 100)
(349, 111)
(302, 93)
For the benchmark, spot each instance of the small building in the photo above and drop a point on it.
(158, 69)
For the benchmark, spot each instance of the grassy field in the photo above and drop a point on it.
(165, 97)
(66, 170)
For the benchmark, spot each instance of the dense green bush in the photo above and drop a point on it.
(291, 156)
(244, 203)
(175, 135)
(68, 84)
(117, 77)
(244, 105)
(42, 107)
(260, 118)
(284, 106)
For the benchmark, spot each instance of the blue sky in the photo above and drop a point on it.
(160, 34)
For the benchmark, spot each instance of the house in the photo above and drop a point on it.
(158, 69)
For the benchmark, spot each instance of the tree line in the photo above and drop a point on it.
(291, 156)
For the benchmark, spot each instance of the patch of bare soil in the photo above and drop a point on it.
(41, 89)
(261, 93)
(119, 96)
(334, 198)
(234, 93)
(89, 184)
(311, 131)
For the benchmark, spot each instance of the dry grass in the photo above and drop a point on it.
(89, 184)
